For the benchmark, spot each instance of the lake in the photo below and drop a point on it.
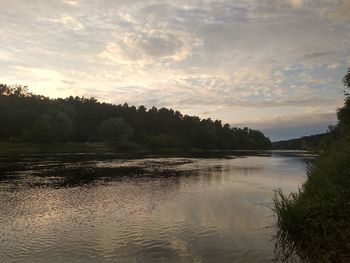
(87, 208)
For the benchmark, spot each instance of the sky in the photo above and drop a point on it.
(272, 65)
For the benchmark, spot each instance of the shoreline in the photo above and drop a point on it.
(12, 149)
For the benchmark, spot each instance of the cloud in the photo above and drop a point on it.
(233, 60)
(279, 134)
(151, 45)
(71, 2)
(316, 55)
(40, 73)
(295, 120)
(333, 66)
(5, 56)
(294, 126)
(297, 3)
(342, 12)
(71, 22)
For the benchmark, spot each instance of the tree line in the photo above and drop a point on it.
(314, 223)
(310, 143)
(27, 117)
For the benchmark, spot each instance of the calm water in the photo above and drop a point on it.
(103, 209)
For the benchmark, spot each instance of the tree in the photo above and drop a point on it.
(159, 141)
(346, 79)
(42, 130)
(115, 129)
(15, 90)
(63, 126)
(344, 112)
(85, 119)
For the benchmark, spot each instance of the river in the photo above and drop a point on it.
(85, 208)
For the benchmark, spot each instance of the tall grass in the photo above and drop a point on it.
(314, 224)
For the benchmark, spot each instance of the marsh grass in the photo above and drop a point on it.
(314, 223)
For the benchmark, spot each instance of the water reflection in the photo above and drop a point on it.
(142, 210)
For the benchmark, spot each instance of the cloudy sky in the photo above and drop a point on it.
(274, 65)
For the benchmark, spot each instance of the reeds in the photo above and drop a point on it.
(314, 223)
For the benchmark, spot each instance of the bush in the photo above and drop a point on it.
(314, 223)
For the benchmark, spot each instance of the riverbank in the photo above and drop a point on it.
(314, 223)
(17, 148)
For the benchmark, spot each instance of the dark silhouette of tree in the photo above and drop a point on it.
(115, 129)
(42, 130)
(34, 118)
(344, 112)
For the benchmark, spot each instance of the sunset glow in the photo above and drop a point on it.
(270, 65)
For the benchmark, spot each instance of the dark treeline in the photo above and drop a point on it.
(310, 143)
(26, 117)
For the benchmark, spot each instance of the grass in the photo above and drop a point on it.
(314, 224)
(21, 148)
(10, 148)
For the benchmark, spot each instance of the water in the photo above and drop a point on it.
(155, 209)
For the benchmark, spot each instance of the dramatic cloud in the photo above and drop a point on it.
(275, 63)
(154, 45)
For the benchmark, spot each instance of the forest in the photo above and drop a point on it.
(308, 143)
(31, 118)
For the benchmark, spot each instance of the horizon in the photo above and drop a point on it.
(241, 126)
(275, 66)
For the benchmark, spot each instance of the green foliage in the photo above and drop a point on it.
(163, 141)
(32, 118)
(115, 129)
(125, 146)
(54, 126)
(42, 130)
(63, 126)
(344, 112)
(315, 223)
(346, 80)
(17, 90)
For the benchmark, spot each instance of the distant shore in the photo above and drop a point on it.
(22, 148)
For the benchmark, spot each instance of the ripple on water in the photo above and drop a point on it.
(201, 210)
